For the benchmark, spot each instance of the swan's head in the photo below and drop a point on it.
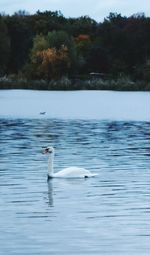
(48, 150)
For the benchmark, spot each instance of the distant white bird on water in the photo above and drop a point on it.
(69, 172)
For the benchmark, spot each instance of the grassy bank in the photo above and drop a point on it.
(120, 84)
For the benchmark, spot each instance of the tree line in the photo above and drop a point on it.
(49, 46)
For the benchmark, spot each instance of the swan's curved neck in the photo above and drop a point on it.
(50, 165)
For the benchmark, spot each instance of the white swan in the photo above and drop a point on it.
(69, 172)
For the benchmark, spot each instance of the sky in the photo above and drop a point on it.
(96, 9)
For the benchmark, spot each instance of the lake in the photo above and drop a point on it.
(105, 132)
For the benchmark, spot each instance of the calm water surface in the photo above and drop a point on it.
(109, 214)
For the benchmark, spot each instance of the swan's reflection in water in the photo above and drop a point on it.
(50, 193)
(62, 189)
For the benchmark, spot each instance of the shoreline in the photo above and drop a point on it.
(65, 84)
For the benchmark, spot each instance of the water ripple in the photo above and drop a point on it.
(108, 214)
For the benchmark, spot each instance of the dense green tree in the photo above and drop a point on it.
(98, 59)
(82, 25)
(43, 22)
(32, 68)
(39, 43)
(57, 39)
(4, 46)
(21, 36)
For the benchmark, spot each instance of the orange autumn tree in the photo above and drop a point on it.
(52, 63)
(51, 56)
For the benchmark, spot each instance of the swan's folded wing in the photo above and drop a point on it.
(74, 172)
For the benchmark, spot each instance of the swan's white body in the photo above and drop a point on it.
(69, 172)
(73, 172)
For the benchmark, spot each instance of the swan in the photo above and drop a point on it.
(69, 172)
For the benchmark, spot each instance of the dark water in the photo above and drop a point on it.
(108, 214)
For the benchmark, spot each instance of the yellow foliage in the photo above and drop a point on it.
(52, 62)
